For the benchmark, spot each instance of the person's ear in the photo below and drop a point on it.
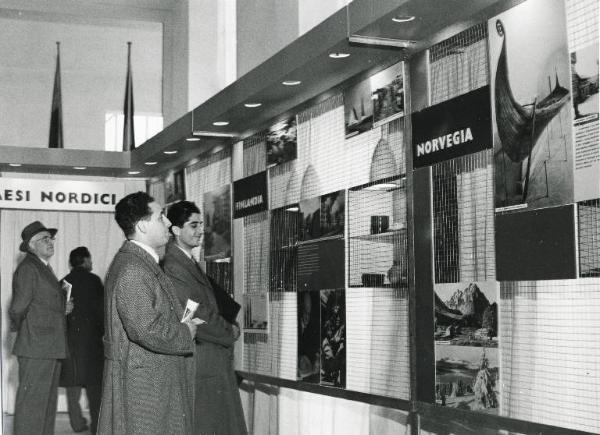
(175, 230)
(142, 226)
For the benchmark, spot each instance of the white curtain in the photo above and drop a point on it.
(98, 231)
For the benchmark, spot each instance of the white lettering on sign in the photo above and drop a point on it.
(245, 203)
(445, 142)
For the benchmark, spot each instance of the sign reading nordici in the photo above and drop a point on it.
(32, 194)
(453, 128)
(250, 195)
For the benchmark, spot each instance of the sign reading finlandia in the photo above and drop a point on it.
(33, 194)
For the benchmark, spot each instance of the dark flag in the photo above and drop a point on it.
(128, 135)
(56, 130)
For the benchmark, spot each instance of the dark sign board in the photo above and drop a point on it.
(250, 195)
(536, 245)
(454, 128)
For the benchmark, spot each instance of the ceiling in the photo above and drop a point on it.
(306, 59)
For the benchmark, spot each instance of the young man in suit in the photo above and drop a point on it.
(217, 406)
(145, 389)
(37, 313)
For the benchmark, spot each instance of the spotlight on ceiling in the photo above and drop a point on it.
(252, 105)
(291, 82)
(220, 123)
(339, 55)
(170, 152)
(403, 18)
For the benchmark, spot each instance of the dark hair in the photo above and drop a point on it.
(132, 209)
(78, 256)
(180, 212)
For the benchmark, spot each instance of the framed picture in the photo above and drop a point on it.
(282, 142)
(217, 224)
(175, 186)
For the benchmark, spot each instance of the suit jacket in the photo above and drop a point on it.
(145, 390)
(217, 404)
(37, 311)
(85, 328)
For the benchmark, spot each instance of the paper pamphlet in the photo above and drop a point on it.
(189, 311)
(67, 286)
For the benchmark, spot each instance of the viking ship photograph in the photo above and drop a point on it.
(526, 170)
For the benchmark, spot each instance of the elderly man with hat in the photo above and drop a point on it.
(37, 313)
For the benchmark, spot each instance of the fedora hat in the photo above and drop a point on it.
(31, 230)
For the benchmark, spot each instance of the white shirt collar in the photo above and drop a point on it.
(188, 254)
(42, 260)
(146, 248)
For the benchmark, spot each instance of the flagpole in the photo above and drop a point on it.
(128, 128)
(55, 139)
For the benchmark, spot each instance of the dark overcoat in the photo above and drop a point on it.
(144, 389)
(37, 311)
(85, 328)
(217, 404)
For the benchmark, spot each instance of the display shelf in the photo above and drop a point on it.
(320, 239)
(377, 234)
(389, 236)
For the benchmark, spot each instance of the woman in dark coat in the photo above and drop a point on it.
(217, 404)
(85, 327)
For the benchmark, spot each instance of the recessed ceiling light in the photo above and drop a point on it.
(221, 123)
(80, 168)
(382, 186)
(170, 152)
(252, 105)
(133, 172)
(192, 139)
(338, 55)
(14, 165)
(291, 82)
(150, 163)
(403, 18)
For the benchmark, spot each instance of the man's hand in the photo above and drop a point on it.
(235, 330)
(69, 306)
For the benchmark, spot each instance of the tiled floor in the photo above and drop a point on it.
(62, 425)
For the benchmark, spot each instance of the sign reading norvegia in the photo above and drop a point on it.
(453, 128)
(250, 195)
(32, 194)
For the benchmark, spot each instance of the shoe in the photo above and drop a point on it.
(82, 429)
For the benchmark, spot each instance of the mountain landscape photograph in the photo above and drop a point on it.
(466, 346)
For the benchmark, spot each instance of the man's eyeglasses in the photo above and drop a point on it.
(46, 239)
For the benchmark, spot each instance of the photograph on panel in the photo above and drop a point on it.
(332, 213)
(466, 345)
(532, 106)
(358, 108)
(282, 142)
(217, 224)
(283, 248)
(387, 90)
(256, 312)
(175, 186)
(333, 338)
(584, 80)
(310, 219)
(309, 336)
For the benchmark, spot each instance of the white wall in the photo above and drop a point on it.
(93, 69)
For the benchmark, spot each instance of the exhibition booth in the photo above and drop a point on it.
(409, 218)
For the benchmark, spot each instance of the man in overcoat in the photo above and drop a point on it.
(217, 404)
(145, 390)
(85, 328)
(37, 313)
